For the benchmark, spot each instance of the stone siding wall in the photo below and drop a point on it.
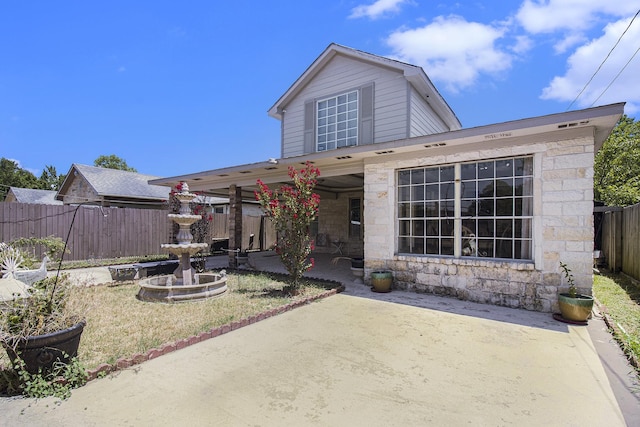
(333, 221)
(562, 227)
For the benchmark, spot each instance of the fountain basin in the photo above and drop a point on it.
(170, 289)
(184, 248)
(184, 219)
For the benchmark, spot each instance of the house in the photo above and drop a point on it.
(111, 187)
(483, 214)
(117, 188)
(32, 195)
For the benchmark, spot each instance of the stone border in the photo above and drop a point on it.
(138, 358)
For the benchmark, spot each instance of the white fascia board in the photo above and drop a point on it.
(349, 160)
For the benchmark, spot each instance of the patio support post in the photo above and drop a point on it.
(235, 223)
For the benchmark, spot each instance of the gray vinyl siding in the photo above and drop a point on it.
(343, 74)
(423, 120)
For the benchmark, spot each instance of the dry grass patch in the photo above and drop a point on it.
(119, 325)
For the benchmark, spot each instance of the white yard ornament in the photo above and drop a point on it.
(11, 268)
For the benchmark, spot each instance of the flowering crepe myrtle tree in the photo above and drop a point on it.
(292, 209)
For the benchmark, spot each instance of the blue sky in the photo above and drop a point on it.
(182, 87)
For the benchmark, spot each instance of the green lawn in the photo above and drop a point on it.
(621, 297)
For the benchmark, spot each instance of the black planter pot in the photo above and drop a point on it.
(42, 351)
(357, 262)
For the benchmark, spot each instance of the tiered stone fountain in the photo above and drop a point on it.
(184, 284)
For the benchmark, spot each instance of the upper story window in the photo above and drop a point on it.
(337, 121)
(476, 209)
(337, 124)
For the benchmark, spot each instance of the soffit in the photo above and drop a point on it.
(342, 170)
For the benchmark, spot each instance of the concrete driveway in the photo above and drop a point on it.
(353, 361)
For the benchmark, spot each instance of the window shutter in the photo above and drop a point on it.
(309, 127)
(366, 115)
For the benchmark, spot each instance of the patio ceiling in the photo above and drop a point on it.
(339, 174)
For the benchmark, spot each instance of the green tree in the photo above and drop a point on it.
(12, 175)
(616, 176)
(49, 179)
(113, 162)
(292, 209)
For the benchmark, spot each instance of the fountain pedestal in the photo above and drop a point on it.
(184, 284)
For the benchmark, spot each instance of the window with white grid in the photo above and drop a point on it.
(489, 214)
(337, 124)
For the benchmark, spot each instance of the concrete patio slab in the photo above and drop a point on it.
(364, 358)
(348, 360)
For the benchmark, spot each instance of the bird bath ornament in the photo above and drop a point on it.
(184, 284)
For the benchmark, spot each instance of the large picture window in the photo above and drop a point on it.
(337, 124)
(489, 214)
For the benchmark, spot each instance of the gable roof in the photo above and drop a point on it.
(414, 75)
(32, 195)
(115, 183)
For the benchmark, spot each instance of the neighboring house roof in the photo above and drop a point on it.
(414, 75)
(31, 195)
(115, 183)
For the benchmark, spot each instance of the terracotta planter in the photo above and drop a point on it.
(576, 309)
(382, 281)
(42, 351)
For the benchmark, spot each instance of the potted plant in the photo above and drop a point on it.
(41, 334)
(382, 280)
(574, 307)
(38, 329)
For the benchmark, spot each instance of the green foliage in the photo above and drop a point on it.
(617, 165)
(112, 162)
(58, 383)
(53, 246)
(573, 292)
(49, 179)
(293, 209)
(12, 175)
(621, 297)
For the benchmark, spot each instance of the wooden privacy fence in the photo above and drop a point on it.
(621, 240)
(112, 232)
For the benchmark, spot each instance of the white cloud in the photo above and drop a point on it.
(571, 18)
(522, 44)
(568, 42)
(378, 9)
(452, 50)
(582, 64)
(546, 16)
